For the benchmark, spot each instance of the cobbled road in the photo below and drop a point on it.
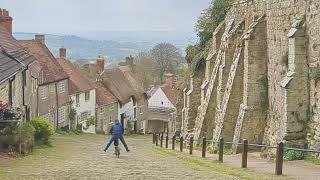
(81, 157)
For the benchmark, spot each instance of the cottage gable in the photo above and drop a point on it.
(51, 69)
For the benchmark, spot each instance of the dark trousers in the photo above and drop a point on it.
(113, 138)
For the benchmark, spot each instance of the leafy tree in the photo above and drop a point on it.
(167, 58)
(206, 25)
(211, 18)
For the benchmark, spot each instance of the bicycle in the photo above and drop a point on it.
(116, 148)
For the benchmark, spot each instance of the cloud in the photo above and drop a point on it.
(69, 16)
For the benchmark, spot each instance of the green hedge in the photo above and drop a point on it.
(43, 130)
(291, 155)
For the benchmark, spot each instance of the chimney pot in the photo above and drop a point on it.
(63, 52)
(5, 13)
(40, 38)
(1, 12)
(100, 65)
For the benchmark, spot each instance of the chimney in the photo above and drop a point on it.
(170, 80)
(6, 20)
(100, 65)
(63, 52)
(40, 38)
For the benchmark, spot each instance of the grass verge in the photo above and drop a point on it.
(213, 165)
(312, 159)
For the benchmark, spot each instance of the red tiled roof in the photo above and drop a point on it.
(52, 71)
(103, 95)
(77, 82)
(170, 93)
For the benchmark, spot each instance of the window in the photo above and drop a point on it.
(140, 109)
(46, 117)
(61, 115)
(61, 87)
(43, 92)
(41, 77)
(84, 116)
(135, 113)
(134, 101)
(77, 99)
(111, 107)
(24, 78)
(87, 96)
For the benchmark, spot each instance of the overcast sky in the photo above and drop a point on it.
(72, 16)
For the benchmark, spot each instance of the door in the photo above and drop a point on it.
(135, 127)
(122, 120)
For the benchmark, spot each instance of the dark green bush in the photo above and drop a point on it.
(315, 74)
(20, 139)
(43, 130)
(25, 131)
(291, 155)
(285, 59)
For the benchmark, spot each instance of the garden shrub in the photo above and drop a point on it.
(20, 138)
(291, 155)
(315, 74)
(25, 132)
(43, 130)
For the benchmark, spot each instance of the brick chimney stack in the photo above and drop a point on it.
(6, 20)
(63, 52)
(40, 38)
(100, 65)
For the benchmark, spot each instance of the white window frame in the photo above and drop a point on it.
(62, 87)
(85, 96)
(141, 110)
(77, 99)
(82, 116)
(61, 115)
(43, 92)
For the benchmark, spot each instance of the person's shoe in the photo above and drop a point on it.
(128, 150)
(104, 150)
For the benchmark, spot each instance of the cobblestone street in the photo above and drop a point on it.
(81, 157)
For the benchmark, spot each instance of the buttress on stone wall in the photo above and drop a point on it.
(261, 80)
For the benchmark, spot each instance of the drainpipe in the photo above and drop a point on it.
(57, 104)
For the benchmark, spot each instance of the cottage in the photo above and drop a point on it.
(82, 94)
(161, 109)
(53, 93)
(128, 94)
(106, 108)
(18, 72)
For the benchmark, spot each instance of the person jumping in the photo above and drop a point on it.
(117, 133)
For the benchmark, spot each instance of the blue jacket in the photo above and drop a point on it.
(116, 130)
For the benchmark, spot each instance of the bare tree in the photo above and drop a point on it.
(146, 67)
(167, 58)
